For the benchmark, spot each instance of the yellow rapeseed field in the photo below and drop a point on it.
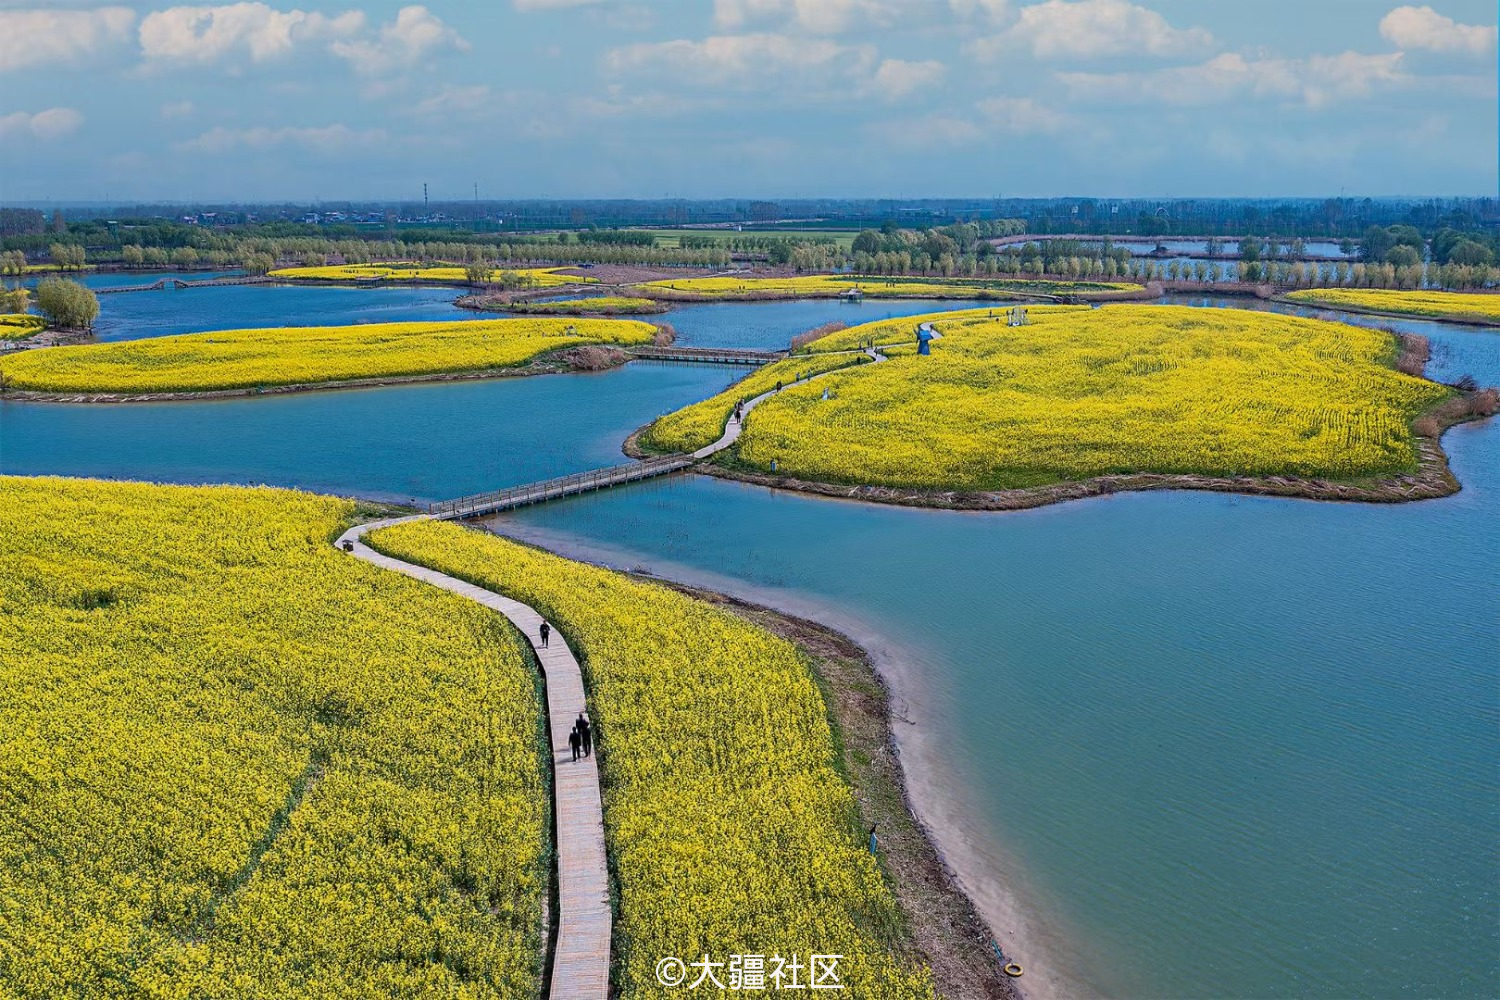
(1081, 393)
(1459, 305)
(877, 286)
(13, 326)
(729, 825)
(610, 304)
(542, 277)
(694, 426)
(239, 359)
(235, 762)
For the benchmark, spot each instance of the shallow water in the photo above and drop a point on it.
(1188, 744)
(1234, 746)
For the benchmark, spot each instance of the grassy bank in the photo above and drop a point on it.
(1457, 307)
(537, 277)
(734, 287)
(239, 763)
(290, 356)
(731, 828)
(602, 305)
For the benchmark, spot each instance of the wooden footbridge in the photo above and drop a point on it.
(708, 355)
(161, 284)
(480, 504)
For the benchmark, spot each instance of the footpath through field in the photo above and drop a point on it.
(580, 959)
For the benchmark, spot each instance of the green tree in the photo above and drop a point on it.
(132, 255)
(67, 304)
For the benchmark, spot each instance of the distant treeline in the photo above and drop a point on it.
(1448, 256)
(1333, 218)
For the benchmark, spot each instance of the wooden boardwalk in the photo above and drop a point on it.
(580, 957)
(555, 489)
(708, 355)
(163, 283)
(480, 504)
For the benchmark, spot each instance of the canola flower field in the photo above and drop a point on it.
(1086, 392)
(1449, 305)
(236, 762)
(242, 359)
(14, 326)
(540, 277)
(729, 825)
(828, 285)
(692, 427)
(615, 305)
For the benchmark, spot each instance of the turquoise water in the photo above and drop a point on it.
(1239, 746)
(1207, 745)
(132, 315)
(422, 442)
(771, 325)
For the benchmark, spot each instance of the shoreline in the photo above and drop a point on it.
(1458, 319)
(943, 923)
(544, 365)
(979, 872)
(956, 294)
(1431, 480)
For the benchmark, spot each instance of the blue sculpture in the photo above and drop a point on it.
(924, 340)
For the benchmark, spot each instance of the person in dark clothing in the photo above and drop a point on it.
(546, 631)
(587, 732)
(575, 740)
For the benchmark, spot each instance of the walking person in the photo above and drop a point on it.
(575, 740)
(587, 732)
(546, 631)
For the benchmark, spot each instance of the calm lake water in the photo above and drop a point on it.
(1190, 744)
(133, 315)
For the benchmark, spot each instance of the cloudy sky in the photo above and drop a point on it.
(771, 98)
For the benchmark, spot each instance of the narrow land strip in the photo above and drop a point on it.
(580, 959)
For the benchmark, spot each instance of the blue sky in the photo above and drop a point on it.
(750, 98)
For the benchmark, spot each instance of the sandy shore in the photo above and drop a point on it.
(936, 794)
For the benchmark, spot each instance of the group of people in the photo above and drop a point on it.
(582, 737)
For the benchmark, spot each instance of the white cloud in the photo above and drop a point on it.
(1315, 81)
(46, 37)
(1426, 29)
(933, 132)
(896, 78)
(215, 34)
(823, 17)
(746, 62)
(1058, 29)
(177, 109)
(1022, 116)
(526, 6)
(415, 34)
(325, 139)
(453, 98)
(995, 10)
(54, 123)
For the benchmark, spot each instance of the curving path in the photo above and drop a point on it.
(580, 960)
(735, 425)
